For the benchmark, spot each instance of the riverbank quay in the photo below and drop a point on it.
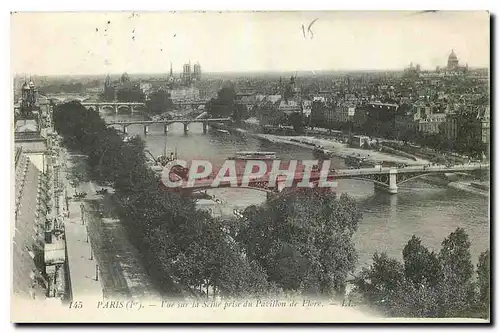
(389, 146)
(328, 146)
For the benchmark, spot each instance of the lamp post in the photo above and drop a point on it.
(82, 208)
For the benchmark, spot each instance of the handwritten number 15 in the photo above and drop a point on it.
(309, 31)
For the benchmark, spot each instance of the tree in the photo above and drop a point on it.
(455, 256)
(428, 285)
(159, 102)
(130, 93)
(303, 241)
(109, 94)
(415, 300)
(385, 285)
(277, 118)
(317, 114)
(421, 265)
(483, 282)
(457, 293)
(297, 121)
(78, 174)
(381, 281)
(240, 113)
(239, 277)
(224, 104)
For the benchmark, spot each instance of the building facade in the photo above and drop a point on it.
(181, 95)
(39, 262)
(190, 74)
(432, 123)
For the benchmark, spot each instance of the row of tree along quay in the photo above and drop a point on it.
(298, 243)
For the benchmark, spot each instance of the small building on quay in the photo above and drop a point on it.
(358, 141)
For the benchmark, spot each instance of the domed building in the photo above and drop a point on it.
(453, 65)
(452, 61)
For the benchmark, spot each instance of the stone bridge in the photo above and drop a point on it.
(132, 106)
(166, 123)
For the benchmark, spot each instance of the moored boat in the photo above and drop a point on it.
(254, 155)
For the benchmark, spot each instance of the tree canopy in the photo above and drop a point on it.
(159, 102)
(429, 284)
(303, 241)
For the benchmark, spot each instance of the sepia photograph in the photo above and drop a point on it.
(250, 167)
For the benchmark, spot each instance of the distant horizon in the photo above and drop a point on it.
(177, 74)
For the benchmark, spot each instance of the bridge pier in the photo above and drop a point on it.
(116, 109)
(165, 129)
(205, 127)
(186, 128)
(131, 109)
(146, 129)
(393, 187)
(125, 130)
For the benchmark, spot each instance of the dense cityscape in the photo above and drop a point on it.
(405, 233)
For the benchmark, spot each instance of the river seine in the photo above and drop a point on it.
(430, 212)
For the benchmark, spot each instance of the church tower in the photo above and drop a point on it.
(28, 98)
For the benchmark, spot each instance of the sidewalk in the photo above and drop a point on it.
(121, 273)
(81, 263)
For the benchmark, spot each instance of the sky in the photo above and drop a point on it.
(97, 43)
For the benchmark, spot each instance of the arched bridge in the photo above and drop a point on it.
(166, 123)
(65, 98)
(132, 106)
(390, 178)
(387, 179)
